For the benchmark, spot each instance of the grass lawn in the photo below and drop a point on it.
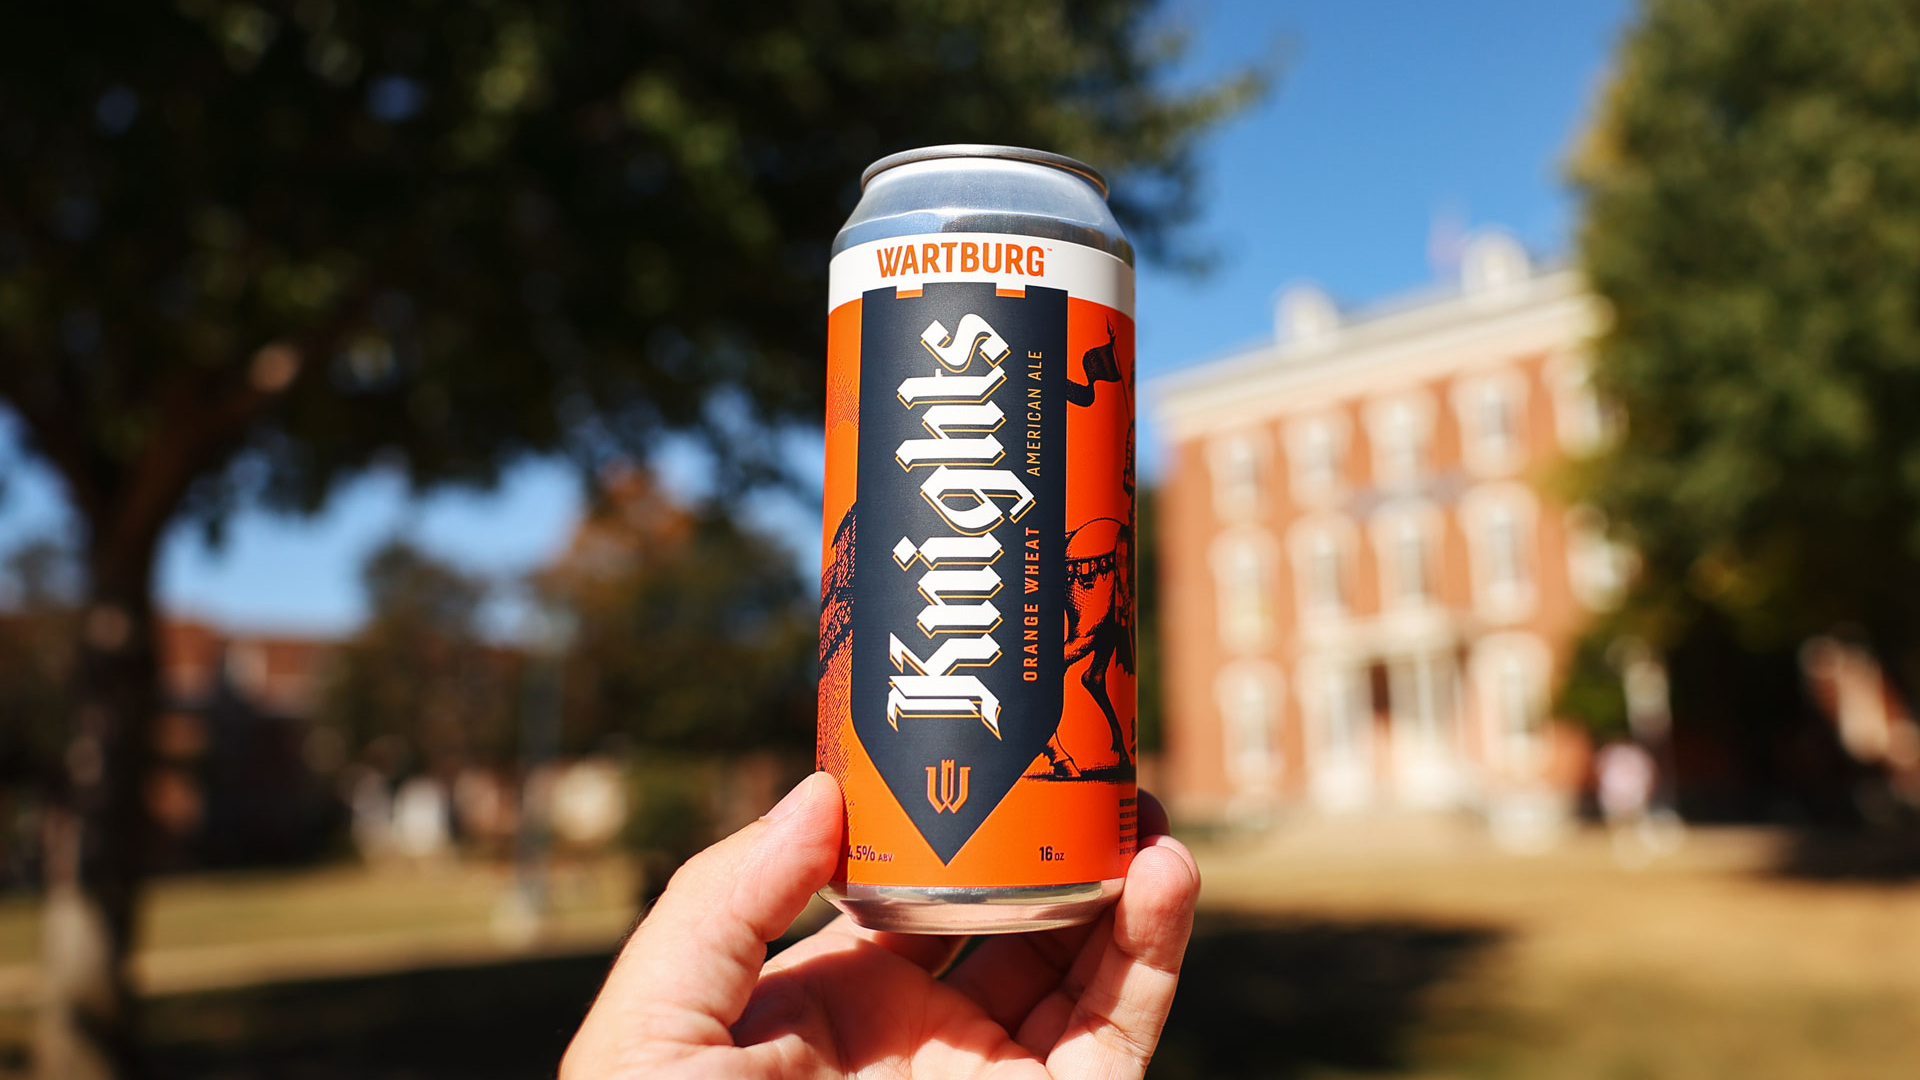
(259, 910)
(220, 951)
(1434, 956)
(1356, 952)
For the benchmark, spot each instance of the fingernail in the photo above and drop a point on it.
(792, 800)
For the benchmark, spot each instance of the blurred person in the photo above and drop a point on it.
(421, 815)
(370, 807)
(690, 995)
(1627, 774)
(589, 804)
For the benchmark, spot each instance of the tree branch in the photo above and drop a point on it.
(199, 438)
(37, 402)
(196, 439)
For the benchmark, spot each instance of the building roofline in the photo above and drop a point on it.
(1372, 334)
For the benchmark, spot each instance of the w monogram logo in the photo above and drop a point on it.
(941, 787)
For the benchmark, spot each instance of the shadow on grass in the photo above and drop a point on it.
(1264, 998)
(1261, 998)
(1891, 858)
(499, 1021)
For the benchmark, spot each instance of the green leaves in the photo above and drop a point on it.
(601, 215)
(417, 678)
(694, 632)
(1753, 202)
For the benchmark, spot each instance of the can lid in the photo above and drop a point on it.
(984, 150)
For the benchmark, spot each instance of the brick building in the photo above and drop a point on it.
(1370, 592)
(233, 777)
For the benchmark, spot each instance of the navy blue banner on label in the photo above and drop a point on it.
(958, 613)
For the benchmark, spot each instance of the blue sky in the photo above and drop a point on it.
(1390, 116)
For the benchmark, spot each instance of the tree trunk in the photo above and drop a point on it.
(97, 837)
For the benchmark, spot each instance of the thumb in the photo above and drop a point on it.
(694, 960)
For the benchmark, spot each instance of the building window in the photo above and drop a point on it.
(1410, 560)
(1243, 586)
(1323, 575)
(1322, 555)
(1237, 479)
(1321, 468)
(1512, 673)
(1340, 736)
(1421, 687)
(1492, 413)
(1514, 701)
(246, 664)
(1249, 697)
(1339, 765)
(1506, 557)
(1399, 429)
(1404, 536)
(1425, 748)
(1499, 522)
(1597, 566)
(1336, 693)
(1317, 451)
(1579, 420)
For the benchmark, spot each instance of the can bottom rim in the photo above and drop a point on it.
(905, 909)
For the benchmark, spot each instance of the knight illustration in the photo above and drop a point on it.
(1099, 553)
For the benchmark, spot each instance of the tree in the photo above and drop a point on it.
(694, 639)
(417, 684)
(247, 249)
(1752, 194)
(36, 662)
(694, 633)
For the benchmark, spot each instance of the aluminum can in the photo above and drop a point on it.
(977, 629)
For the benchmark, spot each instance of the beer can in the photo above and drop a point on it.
(977, 630)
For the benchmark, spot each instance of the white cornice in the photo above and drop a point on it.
(1407, 344)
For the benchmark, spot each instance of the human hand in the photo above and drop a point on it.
(692, 995)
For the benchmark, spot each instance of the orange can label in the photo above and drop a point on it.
(977, 631)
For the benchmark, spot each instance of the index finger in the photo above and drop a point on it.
(1113, 1027)
(694, 960)
(1011, 973)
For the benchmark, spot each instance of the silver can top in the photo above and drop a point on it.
(985, 150)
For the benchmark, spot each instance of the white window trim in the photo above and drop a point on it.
(1251, 768)
(1336, 780)
(1384, 530)
(1229, 590)
(1518, 752)
(1234, 501)
(1502, 601)
(1380, 419)
(1306, 489)
(1579, 420)
(1435, 671)
(1427, 751)
(1301, 543)
(1477, 451)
